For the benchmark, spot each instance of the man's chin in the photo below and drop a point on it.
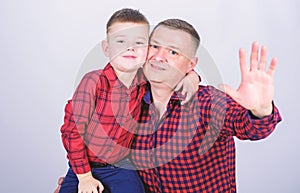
(160, 83)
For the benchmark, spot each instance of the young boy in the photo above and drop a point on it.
(101, 118)
(103, 105)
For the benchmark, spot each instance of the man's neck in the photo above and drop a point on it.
(161, 95)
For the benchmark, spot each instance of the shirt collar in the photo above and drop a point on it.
(175, 100)
(176, 97)
(109, 72)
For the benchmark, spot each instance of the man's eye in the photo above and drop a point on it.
(140, 43)
(120, 41)
(173, 52)
(154, 46)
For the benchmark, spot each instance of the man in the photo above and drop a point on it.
(190, 148)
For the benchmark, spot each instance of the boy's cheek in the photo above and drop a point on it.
(144, 50)
(117, 52)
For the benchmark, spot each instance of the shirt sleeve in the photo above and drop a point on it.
(78, 112)
(234, 120)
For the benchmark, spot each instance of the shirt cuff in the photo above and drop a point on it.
(273, 117)
(80, 166)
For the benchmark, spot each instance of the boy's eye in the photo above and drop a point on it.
(120, 41)
(139, 43)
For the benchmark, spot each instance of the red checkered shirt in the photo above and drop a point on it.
(191, 148)
(100, 119)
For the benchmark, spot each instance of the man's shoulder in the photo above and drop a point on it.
(209, 91)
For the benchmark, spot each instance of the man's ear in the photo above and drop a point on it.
(192, 64)
(105, 48)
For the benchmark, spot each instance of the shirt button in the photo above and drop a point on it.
(109, 150)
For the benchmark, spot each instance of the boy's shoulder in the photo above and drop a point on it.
(97, 73)
(94, 73)
(93, 77)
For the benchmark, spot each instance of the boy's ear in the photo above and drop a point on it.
(105, 47)
(192, 63)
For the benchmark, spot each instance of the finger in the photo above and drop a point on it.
(243, 63)
(60, 180)
(186, 99)
(272, 67)
(100, 190)
(94, 190)
(254, 56)
(100, 187)
(178, 86)
(57, 189)
(184, 92)
(263, 58)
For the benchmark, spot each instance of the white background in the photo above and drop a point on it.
(43, 44)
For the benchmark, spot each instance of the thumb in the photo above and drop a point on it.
(100, 187)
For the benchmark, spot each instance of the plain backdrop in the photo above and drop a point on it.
(42, 48)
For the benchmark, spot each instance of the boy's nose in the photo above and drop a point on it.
(130, 48)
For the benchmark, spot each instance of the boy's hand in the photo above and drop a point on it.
(189, 85)
(88, 184)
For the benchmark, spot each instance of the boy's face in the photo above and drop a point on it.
(127, 46)
(170, 56)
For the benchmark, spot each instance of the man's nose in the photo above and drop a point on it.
(160, 55)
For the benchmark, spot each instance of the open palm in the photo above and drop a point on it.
(256, 90)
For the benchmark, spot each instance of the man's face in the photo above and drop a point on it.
(127, 45)
(170, 56)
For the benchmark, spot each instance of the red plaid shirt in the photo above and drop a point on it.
(191, 148)
(100, 119)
